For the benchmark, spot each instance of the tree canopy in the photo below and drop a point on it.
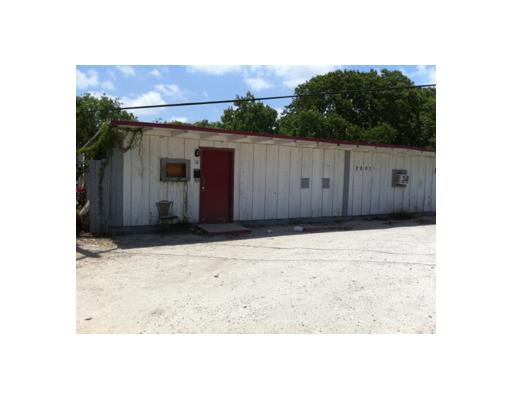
(251, 116)
(88, 123)
(403, 117)
(389, 116)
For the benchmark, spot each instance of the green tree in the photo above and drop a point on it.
(313, 123)
(88, 123)
(427, 117)
(382, 133)
(388, 116)
(249, 115)
(204, 123)
(208, 124)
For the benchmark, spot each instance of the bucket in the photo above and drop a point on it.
(164, 208)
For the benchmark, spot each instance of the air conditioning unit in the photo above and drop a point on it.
(400, 178)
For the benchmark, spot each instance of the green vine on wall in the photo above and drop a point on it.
(109, 139)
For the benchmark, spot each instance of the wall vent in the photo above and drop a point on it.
(399, 178)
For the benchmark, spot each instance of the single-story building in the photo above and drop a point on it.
(216, 175)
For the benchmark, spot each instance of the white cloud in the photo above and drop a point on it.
(155, 72)
(179, 119)
(280, 111)
(433, 76)
(87, 79)
(259, 77)
(427, 72)
(99, 95)
(126, 70)
(423, 74)
(161, 94)
(214, 69)
(293, 75)
(146, 99)
(205, 93)
(108, 85)
(90, 78)
(171, 90)
(257, 83)
(112, 74)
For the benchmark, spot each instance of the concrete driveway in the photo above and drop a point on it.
(358, 277)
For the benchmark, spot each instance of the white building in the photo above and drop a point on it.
(215, 175)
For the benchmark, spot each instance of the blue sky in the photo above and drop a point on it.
(148, 85)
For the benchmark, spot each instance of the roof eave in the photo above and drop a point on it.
(261, 135)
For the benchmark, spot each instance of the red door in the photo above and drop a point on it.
(216, 189)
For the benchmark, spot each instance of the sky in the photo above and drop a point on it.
(138, 85)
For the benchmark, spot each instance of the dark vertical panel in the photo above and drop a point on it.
(346, 183)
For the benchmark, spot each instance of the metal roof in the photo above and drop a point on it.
(260, 135)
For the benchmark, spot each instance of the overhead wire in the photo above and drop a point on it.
(250, 99)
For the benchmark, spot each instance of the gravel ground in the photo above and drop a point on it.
(360, 277)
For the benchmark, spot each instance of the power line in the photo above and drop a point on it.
(291, 96)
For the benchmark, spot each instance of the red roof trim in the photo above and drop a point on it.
(256, 134)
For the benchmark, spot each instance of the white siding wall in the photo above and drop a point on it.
(375, 183)
(295, 175)
(259, 179)
(271, 182)
(267, 180)
(356, 184)
(283, 182)
(337, 182)
(327, 193)
(245, 197)
(192, 197)
(433, 186)
(306, 172)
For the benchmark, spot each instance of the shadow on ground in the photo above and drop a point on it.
(180, 235)
(95, 254)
